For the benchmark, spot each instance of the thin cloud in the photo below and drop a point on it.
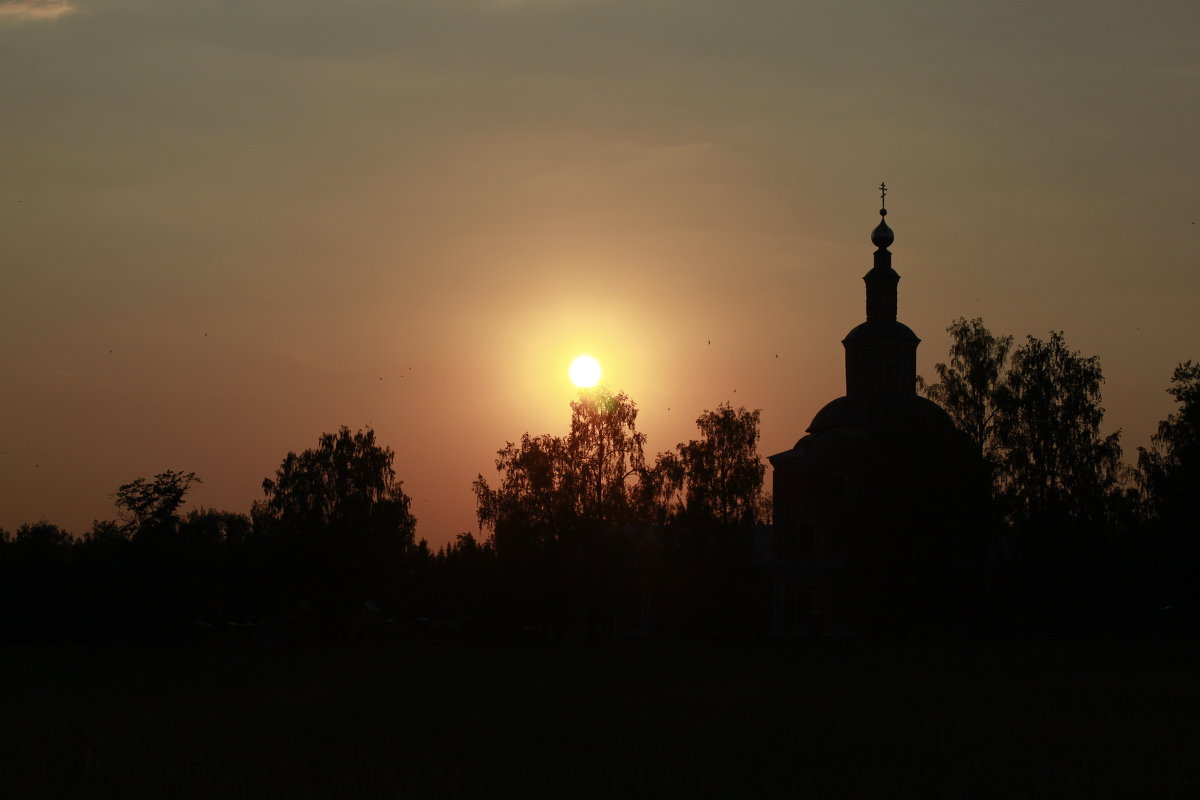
(35, 9)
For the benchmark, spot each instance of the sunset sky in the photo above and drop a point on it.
(231, 225)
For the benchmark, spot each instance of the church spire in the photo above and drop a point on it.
(882, 236)
(882, 279)
(881, 353)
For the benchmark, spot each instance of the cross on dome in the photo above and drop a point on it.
(882, 236)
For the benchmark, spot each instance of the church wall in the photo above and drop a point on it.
(881, 366)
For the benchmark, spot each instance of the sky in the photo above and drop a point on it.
(231, 225)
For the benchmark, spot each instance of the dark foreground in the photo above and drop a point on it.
(1097, 718)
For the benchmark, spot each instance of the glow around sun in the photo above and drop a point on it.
(584, 372)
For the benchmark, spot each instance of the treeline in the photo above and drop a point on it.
(585, 535)
(580, 531)
(333, 526)
(1081, 536)
(589, 535)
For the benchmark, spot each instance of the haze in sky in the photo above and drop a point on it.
(230, 226)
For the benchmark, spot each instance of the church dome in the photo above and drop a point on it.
(907, 413)
(882, 237)
(881, 330)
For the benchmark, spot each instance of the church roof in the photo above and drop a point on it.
(859, 421)
(881, 403)
(881, 330)
(896, 412)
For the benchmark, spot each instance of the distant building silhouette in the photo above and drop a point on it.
(878, 509)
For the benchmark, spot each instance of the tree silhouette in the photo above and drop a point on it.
(109, 589)
(465, 585)
(1057, 483)
(346, 482)
(707, 496)
(549, 484)
(1054, 465)
(168, 584)
(970, 387)
(604, 450)
(341, 520)
(1035, 416)
(1170, 468)
(532, 501)
(152, 506)
(563, 514)
(722, 472)
(35, 577)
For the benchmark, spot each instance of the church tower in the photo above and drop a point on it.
(881, 354)
(879, 499)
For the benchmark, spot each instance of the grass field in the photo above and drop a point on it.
(637, 719)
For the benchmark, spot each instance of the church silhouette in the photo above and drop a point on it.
(877, 508)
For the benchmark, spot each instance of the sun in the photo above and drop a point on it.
(584, 372)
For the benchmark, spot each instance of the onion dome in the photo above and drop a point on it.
(882, 236)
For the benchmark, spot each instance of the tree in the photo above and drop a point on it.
(152, 506)
(604, 450)
(564, 515)
(341, 518)
(168, 579)
(970, 387)
(722, 472)
(109, 590)
(42, 537)
(1035, 416)
(465, 580)
(707, 494)
(211, 526)
(34, 592)
(1169, 470)
(1054, 465)
(345, 484)
(531, 504)
(551, 484)
(718, 477)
